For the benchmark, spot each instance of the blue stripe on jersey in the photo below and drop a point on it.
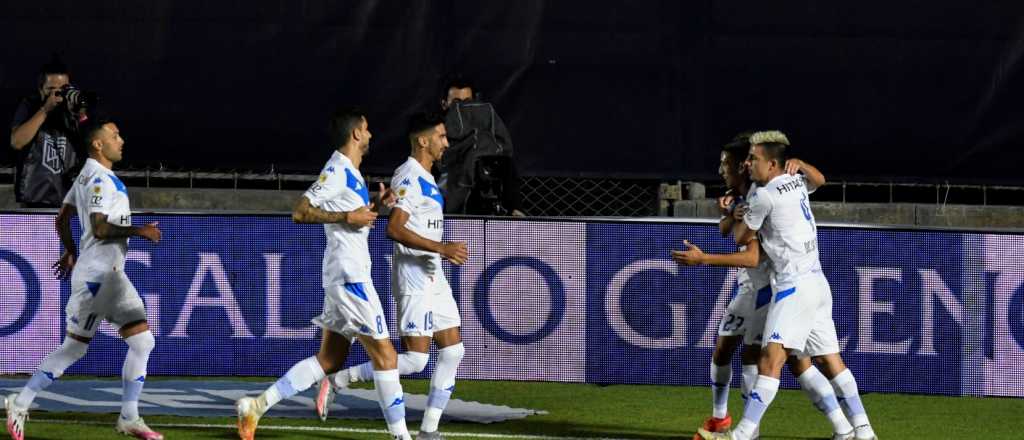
(764, 296)
(432, 191)
(357, 186)
(357, 290)
(118, 184)
(781, 295)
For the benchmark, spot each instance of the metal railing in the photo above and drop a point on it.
(573, 196)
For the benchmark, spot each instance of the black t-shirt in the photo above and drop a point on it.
(44, 166)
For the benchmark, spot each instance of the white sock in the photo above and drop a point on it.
(392, 401)
(849, 398)
(721, 378)
(749, 378)
(359, 373)
(820, 391)
(133, 374)
(298, 379)
(410, 362)
(50, 369)
(442, 385)
(757, 403)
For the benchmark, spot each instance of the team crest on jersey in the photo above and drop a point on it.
(402, 191)
(323, 178)
(96, 190)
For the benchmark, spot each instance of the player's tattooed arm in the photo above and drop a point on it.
(103, 230)
(305, 212)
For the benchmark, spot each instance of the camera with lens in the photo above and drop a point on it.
(76, 99)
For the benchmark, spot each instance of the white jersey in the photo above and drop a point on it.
(755, 277)
(341, 188)
(419, 196)
(98, 190)
(780, 213)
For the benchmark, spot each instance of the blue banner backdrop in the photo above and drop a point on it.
(600, 302)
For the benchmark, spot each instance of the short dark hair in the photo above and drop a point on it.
(739, 146)
(91, 128)
(53, 67)
(343, 122)
(422, 121)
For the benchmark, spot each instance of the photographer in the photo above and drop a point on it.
(44, 134)
(478, 173)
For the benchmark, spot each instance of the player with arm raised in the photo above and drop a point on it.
(799, 320)
(745, 316)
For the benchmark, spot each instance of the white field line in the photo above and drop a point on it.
(332, 429)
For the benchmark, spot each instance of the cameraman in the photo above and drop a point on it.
(44, 132)
(480, 145)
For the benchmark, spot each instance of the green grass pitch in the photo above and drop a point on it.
(579, 410)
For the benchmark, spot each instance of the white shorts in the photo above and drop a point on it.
(800, 318)
(98, 296)
(423, 313)
(746, 314)
(353, 309)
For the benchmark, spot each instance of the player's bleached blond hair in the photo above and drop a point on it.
(769, 137)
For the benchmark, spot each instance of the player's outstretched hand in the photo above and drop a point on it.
(62, 268)
(151, 232)
(386, 196)
(692, 256)
(793, 166)
(364, 216)
(455, 252)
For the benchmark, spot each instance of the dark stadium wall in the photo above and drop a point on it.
(869, 89)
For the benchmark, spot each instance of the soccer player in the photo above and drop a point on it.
(341, 202)
(99, 288)
(745, 316)
(426, 307)
(799, 319)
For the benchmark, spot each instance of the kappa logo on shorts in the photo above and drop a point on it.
(775, 337)
(410, 326)
(364, 329)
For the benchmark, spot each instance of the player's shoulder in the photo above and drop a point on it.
(406, 174)
(334, 167)
(760, 193)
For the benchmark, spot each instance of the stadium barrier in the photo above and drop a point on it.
(598, 301)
